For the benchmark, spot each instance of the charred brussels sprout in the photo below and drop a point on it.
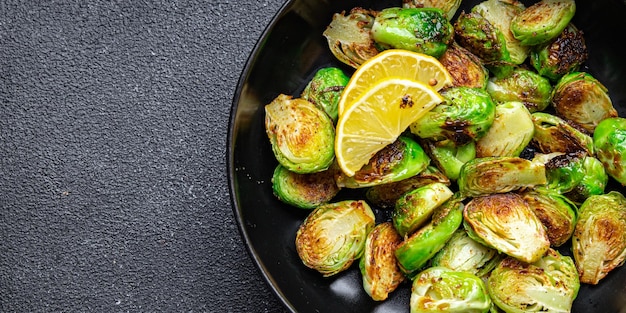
(305, 191)
(424, 30)
(593, 182)
(302, 135)
(449, 7)
(378, 265)
(580, 98)
(563, 171)
(440, 289)
(506, 223)
(556, 212)
(599, 240)
(474, 32)
(462, 253)
(416, 207)
(489, 175)
(609, 141)
(563, 55)
(465, 116)
(542, 21)
(465, 68)
(333, 235)
(400, 160)
(522, 85)
(549, 284)
(511, 131)
(324, 89)
(349, 37)
(449, 157)
(553, 134)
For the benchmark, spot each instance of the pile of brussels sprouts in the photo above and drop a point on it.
(483, 190)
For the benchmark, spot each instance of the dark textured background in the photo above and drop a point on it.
(113, 126)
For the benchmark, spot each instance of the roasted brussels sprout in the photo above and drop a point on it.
(349, 37)
(301, 134)
(379, 268)
(563, 55)
(490, 175)
(464, 116)
(462, 253)
(440, 289)
(593, 182)
(415, 251)
(424, 30)
(556, 212)
(449, 157)
(333, 235)
(506, 223)
(549, 284)
(324, 89)
(465, 68)
(474, 32)
(580, 98)
(609, 140)
(511, 131)
(599, 240)
(563, 171)
(542, 21)
(415, 208)
(400, 160)
(448, 7)
(554, 134)
(522, 85)
(305, 191)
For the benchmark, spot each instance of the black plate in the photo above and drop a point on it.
(291, 49)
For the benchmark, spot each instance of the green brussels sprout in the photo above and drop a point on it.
(399, 160)
(386, 195)
(379, 268)
(301, 134)
(465, 68)
(594, 181)
(349, 37)
(440, 289)
(449, 7)
(599, 240)
(511, 131)
(522, 85)
(549, 284)
(542, 21)
(563, 55)
(474, 32)
(580, 98)
(305, 191)
(462, 253)
(609, 140)
(556, 212)
(553, 134)
(448, 157)
(564, 171)
(333, 235)
(415, 208)
(416, 250)
(325, 88)
(489, 175)
(424, 30)
(464, 116)
(505, 222)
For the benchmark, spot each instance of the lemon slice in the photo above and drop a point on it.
(378, 117)
(394, 63)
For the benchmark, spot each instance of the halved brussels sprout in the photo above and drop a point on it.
(440, 289)
(448, 7)
(415, 251)
(609, 141)
(542, 21)
(464, 116)
(415, 208)
(506, 223)
(555, 211)
(462, 253)
(424, 30)
(333, 235)
(305, 191)
(593, 182)
(553, 134)
(580, 98)
(521, 85)
(301, 134)
(599, 240)
(325, 88)
(475, 33)
(465, 68)
(511, 131)
(399, 160)
(378, 265)
(563, 55)
(386, 195)
(563, 171)
(549, 284)
(489, 175)
(349, 37)
(449, 157)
